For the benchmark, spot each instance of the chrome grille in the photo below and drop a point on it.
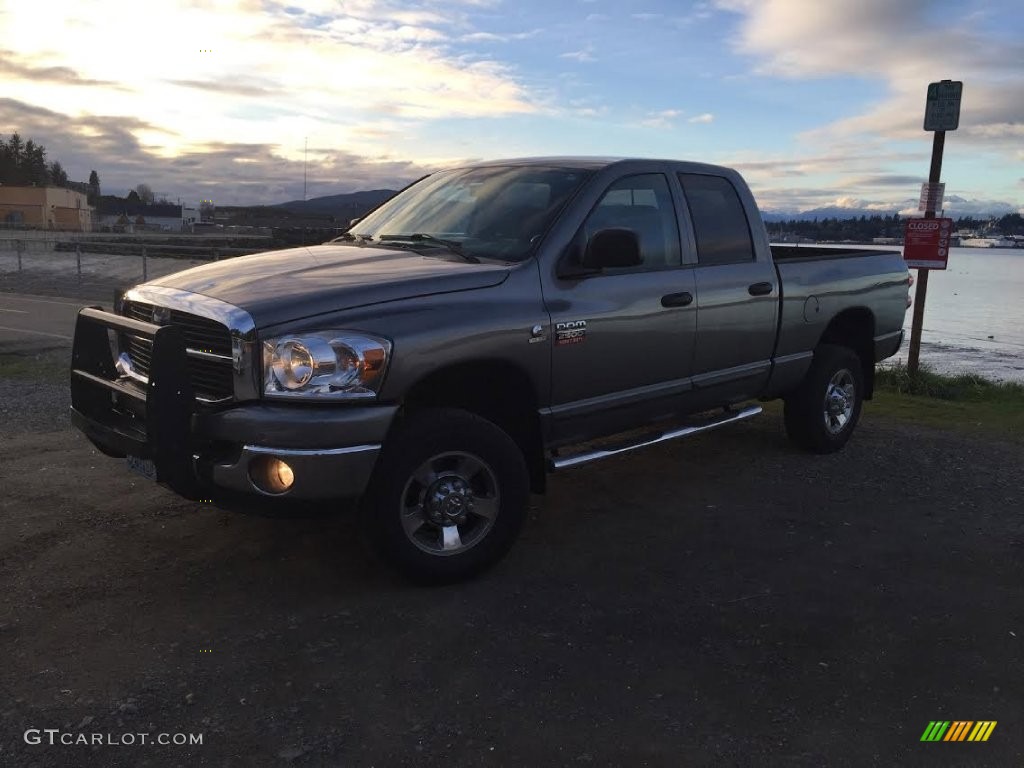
(211, 379)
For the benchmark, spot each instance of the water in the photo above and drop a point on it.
(974, 314)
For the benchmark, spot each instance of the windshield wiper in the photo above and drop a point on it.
(422, 237)
(348, 237)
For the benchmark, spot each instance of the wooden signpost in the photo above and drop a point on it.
(941, 114)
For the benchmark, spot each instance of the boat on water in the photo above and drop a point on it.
(992, 242)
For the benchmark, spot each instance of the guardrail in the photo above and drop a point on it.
(102, 262)
(171, 251)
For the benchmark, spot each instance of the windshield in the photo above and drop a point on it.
(496, 212)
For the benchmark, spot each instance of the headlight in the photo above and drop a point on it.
(331, 364)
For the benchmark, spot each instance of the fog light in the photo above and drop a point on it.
(271, 475)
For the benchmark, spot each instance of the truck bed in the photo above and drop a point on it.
(784, 253)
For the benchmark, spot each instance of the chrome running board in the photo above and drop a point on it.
(727, 417)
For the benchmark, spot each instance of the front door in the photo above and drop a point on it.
(623, 339)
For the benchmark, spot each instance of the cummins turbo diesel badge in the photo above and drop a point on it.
(571, 332)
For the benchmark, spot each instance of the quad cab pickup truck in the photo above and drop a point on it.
(486, 326)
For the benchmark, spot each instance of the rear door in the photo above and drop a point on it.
(623, 339)
(737, 292)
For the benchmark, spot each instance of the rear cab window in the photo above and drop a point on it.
(720, 223)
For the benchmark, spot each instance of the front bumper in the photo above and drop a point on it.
(332, 451)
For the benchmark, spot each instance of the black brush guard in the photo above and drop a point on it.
(123, 419)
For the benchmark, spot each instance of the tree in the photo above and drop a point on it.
(33, 169)
(58, 176)
(23, 163)
(94, 188)
(145, 193)
(15, 149)
(6, 163)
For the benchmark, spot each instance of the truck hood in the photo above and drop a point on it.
(280, 286)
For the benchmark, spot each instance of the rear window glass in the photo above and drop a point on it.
(719, 221)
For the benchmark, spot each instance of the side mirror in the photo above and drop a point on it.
(609, 248)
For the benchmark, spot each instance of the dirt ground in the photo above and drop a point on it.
(720, 601)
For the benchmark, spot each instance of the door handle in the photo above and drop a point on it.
(760, 289)
(683, 299)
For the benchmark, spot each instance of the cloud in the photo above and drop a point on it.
(851, 159)
(494, 37)
(707, 117)
(699, 12)
(664, 118)
(232, 88)
(229, 172)
(790, 199)
(583, 55)
(139, 97)
(17, 68)
(886, 180)
(323, 65)
(647, 16)
(825, 202)
(955, 205)
(860, 204)
(904, 44)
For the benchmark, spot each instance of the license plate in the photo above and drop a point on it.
(143, 467)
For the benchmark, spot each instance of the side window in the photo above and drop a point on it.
(642, 203)
(719, 221)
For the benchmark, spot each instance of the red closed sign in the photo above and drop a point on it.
(926, 243)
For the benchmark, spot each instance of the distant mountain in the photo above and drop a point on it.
(826, 212)
(840, 212)
(348, 204)
(779, 215)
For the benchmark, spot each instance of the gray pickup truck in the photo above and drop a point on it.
(486, 326)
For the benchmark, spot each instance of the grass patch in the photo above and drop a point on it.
(965, 402)
(963, 387)
(50, 365)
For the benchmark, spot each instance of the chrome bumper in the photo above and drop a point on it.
(320, 473)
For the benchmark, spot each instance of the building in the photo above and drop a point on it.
(45, 208)
(189, 216)
(132, 215)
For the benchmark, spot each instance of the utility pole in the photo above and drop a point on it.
(942, 113)
(921, 293)
(305, 152)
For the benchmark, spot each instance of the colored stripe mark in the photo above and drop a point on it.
(982, 730)
(935, 730)
(958, 731)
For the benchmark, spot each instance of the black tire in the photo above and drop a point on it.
(475, 473)
(815, 420)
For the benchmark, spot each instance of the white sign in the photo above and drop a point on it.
(942, 109)
(932, 196)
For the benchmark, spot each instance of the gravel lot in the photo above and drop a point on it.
(721, 601)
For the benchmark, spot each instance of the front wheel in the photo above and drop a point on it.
(448, 497)
(822, 413)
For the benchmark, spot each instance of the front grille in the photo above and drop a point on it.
(211, 379)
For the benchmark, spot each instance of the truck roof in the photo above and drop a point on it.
(581, 161)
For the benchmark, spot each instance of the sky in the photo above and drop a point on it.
(817, 102)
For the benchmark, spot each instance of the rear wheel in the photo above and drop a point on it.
(822, 413)
(449, 496)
